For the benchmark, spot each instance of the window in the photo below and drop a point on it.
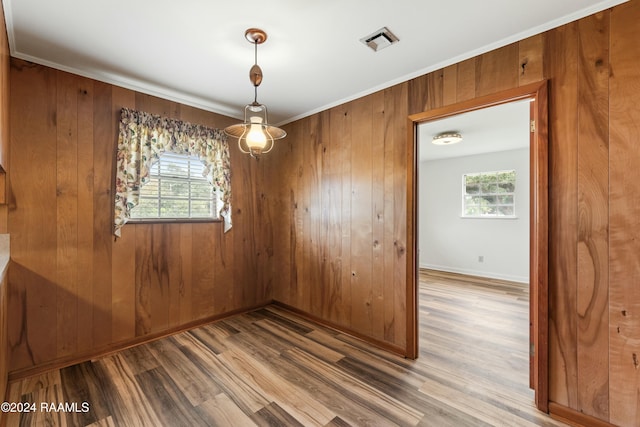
(489, 194)
(176, 189)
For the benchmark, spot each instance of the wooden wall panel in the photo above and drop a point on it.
(322, 141)
(4, 199)
(427, 92)
(378, 132)
(203, 264)
(85, 214)
(306, 261)
(347, 255)
(277, 194)
(392, 329)
(185, 293)
(345, 126)
(143, 278)
(561, 64)
(326, 221)
(338, 301)
(466, 80)
(315, 209)
(361, 221)
(32, 275)
(593, 217)
(4, 107)
(244, 236)
(497, 70)
(397, 125)
(104, 144)
(449, 85)
(624, 214)
(123, 265)
(419, 86)
(66, 167)
(123, 273)
(74, 291)
(530, 60)
(296, 222)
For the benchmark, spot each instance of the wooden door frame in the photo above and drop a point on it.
(539, 224)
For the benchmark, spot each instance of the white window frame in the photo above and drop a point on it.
(194, 174)
(489, 190)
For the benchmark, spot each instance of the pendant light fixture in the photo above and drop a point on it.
(255, 135)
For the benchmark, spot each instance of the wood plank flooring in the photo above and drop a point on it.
(272, 368)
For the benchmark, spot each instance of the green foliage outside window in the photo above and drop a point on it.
(489, 194)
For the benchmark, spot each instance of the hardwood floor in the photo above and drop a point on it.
(272, 368)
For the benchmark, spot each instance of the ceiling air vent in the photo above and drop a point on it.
(380, 39)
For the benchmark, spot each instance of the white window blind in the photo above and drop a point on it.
(176, 189)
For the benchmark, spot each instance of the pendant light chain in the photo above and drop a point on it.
(255, 62)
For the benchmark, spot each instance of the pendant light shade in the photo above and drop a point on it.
(255, 135)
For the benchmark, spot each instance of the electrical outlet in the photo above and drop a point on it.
(480, 258)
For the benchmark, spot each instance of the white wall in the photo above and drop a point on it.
(450, 243)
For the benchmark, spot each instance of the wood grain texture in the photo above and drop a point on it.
(593, 217)
(561, 63)
(578, 199)
(4, 119)
(33, 230)
(85, 213)
(624, 211)
(582, 258)
(530, 59)
(73, 289)
(466, 80)
(497, 70)
(449, 85)
(400, 240)
(66, 179)
(426, 92)
(339, 297)
(361, 220)
(390, 293)
(346, 254)
(104, 143)
(270, 367)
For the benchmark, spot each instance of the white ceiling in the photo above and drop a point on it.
(194, 51)
(499, 128)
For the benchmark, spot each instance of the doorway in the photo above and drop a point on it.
(536, 94)
(473, 194)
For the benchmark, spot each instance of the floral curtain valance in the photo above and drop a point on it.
(143, 137)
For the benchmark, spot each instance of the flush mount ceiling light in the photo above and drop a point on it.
(447, 138)
(255, 135)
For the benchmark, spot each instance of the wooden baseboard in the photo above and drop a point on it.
(574, 418)
(467, 277)
(119, 346)
(122, 345)
(369, 340)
